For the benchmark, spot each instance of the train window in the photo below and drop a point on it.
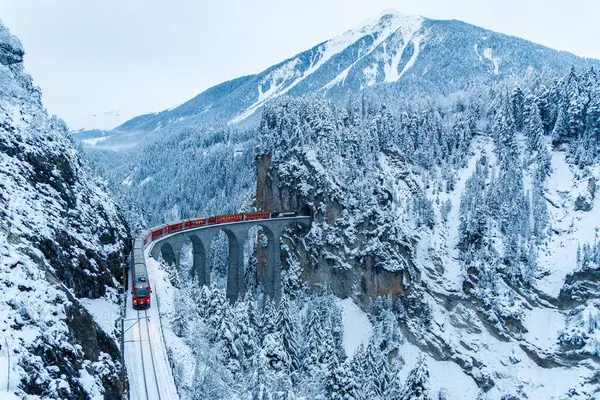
(142, 279)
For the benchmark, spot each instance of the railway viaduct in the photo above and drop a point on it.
(170, 249)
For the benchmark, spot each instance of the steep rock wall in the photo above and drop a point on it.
(61, 238)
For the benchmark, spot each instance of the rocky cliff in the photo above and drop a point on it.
(61, 239)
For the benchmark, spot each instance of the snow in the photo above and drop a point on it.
(104, 121)
(543, 326)
(570, 228)
(357, 327)
(446, 240)
(407, 31)
(476, 47)
(127, 181)
(341, 78)
(513, 371)
(370, 73)
(4, 368)
(442, 374)
(88, 382)
(104, 311)
(146, 181)
(488, 54)
(417, 46)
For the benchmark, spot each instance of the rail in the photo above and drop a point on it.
(152, 354)
(142, 354)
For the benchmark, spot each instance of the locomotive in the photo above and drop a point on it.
(140, 284)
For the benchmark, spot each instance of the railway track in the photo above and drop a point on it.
(139, 323)
(146, 318)
(146, 369)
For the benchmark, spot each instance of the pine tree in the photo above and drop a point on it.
(226, 340)
(371, 372)
(395, 387)
(273, 353)
(246, 339)
(534, 129)
(416, 386)
(254, 316)
(383, 377)
(341, 384)
(313, 339)
(269, 318)
(216, 312)
(287, 326)
(517, 107)
(182, 312)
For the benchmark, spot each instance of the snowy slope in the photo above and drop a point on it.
(61, 238)
(106, 120)
(394, 200)
(282, 79)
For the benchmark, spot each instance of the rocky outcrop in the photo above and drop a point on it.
(585, 199)
(335, 263)
(580, 286)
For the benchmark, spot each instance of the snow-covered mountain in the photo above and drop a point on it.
(62, 242)
(408, 53)
(106, 120)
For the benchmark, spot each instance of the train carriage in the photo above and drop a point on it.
(194, 223)
(255, 216)
(140, 286)
(158, 233)
(175, 227)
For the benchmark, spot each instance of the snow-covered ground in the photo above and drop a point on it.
(357, 327)
(148, 367)
(570, 228)
(106, 120)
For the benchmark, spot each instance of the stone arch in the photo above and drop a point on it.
(168, 254)
(236, 236)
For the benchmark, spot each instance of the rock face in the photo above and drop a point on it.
(61, 238)
(333, 262)
(585, 199)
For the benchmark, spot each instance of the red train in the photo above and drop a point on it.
(220, 219)
(140, 282)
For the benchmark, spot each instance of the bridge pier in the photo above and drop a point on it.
(272, 283)
(236, 282)
(202, 255)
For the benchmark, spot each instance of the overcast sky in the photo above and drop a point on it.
(139, 56)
